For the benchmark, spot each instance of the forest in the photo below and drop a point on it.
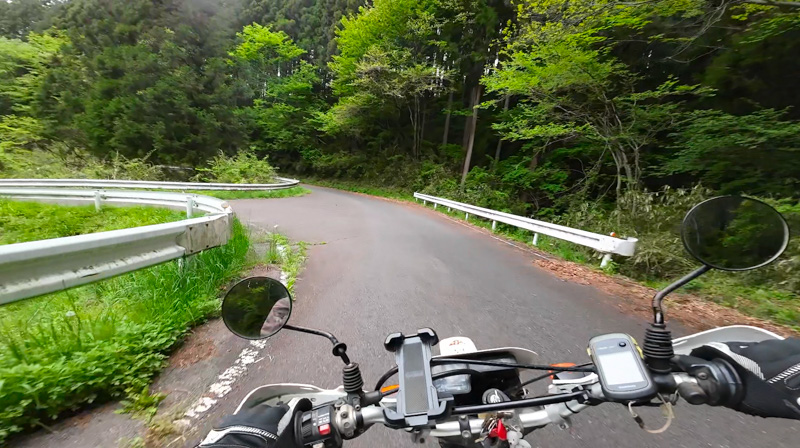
(607, 116)
(603, 115)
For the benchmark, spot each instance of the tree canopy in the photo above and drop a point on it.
(554, 102)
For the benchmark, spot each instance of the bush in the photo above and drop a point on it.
(100, 341)
(771, 292)
(63, 163)
(243, 168)
(652, 217)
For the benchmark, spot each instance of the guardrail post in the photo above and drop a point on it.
(494, 225)
(466, 216)
(98, 198)
(424, 202)
(535, 239)
(435, 205)
(606, 259)
(189, 206)
(448, 209)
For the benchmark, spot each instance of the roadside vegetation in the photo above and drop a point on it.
(251, 194)
(32, 221)
(63, 351)
(105, 340)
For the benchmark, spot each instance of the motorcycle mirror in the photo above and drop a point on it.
(733, 233)
(256, 307)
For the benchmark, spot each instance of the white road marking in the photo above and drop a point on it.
(225, 381)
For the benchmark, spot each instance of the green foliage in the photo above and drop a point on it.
(18, 17)
(243, 168)
(712, 144)
(258, 43)
(653, 218)
(141, 403)
(254, 194)
(32, 221)
(105, 340)
(290, 256)
(282, 88)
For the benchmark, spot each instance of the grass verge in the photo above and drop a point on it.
(106, 340)
(32, 221)
(384, 192)
(246, 194)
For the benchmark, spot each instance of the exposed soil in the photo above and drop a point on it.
(692, 311)
(191, 353)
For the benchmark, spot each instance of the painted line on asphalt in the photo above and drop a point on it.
(225, 381)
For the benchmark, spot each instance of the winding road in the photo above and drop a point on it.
(376, 267)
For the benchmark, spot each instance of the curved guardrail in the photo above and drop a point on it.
(40, 267)
(602, 243)
(97, 183)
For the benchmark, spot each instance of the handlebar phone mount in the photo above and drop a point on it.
(418, 402)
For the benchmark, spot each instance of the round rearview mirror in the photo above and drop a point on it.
(733, 233)
(256, 307)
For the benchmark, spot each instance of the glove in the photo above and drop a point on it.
(256, 425)
(770, 373)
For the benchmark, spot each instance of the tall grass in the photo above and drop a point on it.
(63, 350)
(31, 221)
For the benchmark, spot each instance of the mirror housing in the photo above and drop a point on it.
(256, 307)
(729, 233)
(734, 233)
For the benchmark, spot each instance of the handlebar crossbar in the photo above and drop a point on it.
(580, 396)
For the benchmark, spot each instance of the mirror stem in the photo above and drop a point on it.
(658, 313)
(339, 349)
(324, 334)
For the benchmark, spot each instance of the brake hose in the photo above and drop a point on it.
(581, 368)
(513, 389)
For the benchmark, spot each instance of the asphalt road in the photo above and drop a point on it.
(377, 267)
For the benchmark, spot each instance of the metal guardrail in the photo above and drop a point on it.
(40, 267)
(97, 183)
(604, 244)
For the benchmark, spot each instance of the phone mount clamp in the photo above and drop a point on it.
(418, 402)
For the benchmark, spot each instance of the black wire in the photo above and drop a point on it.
(453, 372)
(385, 377)
(514, 389)
(581, 368)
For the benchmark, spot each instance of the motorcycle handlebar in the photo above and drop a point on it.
(699, 385)
(542, 411)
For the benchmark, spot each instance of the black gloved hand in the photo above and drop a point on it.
(256, 425)
(770, 372)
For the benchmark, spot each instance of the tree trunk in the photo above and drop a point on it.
(617, 164)
(471, 143)
(424, 108)
(447, 119)
(500, 140)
